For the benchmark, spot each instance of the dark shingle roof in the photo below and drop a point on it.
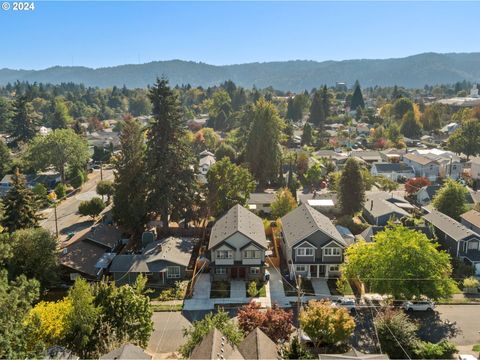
(261, 198)
(127, 352)
(304, 221)
(353, 355)
(212, 346)
(238, 219)
(385, 167)
(449, 226)
(382, 203)
(257, 345)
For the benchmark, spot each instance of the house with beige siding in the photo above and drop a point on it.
(237, 246)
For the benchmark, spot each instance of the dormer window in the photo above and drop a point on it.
(332, 251)
(224, 254)
(304, 251)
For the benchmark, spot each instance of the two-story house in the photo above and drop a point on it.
(237, 246)
(423, 166)
(311, 244)
(471, 219)
(457, 239)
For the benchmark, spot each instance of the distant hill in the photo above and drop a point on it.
(413, 71)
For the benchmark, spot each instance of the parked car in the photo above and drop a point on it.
(466, 357)
(424, 305)
(346, 303)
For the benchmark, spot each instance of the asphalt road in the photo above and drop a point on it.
(167, 335)
(67, 210)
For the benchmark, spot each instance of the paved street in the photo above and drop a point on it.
(167, 335)
(67, 211)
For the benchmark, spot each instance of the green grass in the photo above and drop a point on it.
(290, 287)
(164, 308)
(476, 348)
(220, 289)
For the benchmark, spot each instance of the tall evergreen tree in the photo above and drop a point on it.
(307, 135)
(351, 188)
(61, 117)
(169, 157)
(263, 150)
(317, 116)
(19, 205)
(129, 207)
(357, 97)
(23, 122)
(5, 159)
(325, 101)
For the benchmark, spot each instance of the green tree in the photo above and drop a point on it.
(393, 133)
(314, 176)
(6, 114)
(400, 107)
(105, 188)
(82, 319)
(16, 299)
(357, 97)
(450, 199)
(61, 118)
(324, 324)
(220, 109)
(24, 120)
(283, 204)
(195, 333)
(92, 207)
(317, 115)
(410, 127)
(172, 183)
(263, 150)
(129, 207)
(139, 105)
(397, 334)
(307, 136)
(60, 191)
(34, 254)
(225, 150)
(5, 160)
(19, 205)
(395, 260)
(60, 148)
(296, 350)
(466, 139)
(228, 185)
(351, 188)
(325, 101)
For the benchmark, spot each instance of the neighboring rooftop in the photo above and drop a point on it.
(472, 217)
(127, 352)
(303, 221)
(382, 203)
(261, 198)
(447, 225)
(386, 167)
(419, 159)
(353, 354)
(257, 345)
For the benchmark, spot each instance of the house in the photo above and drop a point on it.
(126, 352)
(49, 179)
(381, 207)
(261, 202)
(353, 354)
(90, 252)
(426, 194)
(237, 245)
(457, 239)
(392, 170)
(422, 166)
(336, 157)
(325, 202)
(256, 345)
(450, 165)
(368, 156)
(450, 128)
(392, 155)
(471, 219)
(205, 163)
(311, 244)
(162, 262)
(475, 168)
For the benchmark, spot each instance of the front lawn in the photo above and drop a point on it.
(290, 287)
(340, 288)
(220, 289)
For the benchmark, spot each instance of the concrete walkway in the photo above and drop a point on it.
(202, 287)
(321, 289)
(237, 289)
(277, 293)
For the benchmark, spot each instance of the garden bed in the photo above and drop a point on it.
(290, 288)
(220, 289)
(343, 289)
(261, 290)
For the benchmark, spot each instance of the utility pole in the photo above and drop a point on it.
(101, 171)
(56, 219)
(299, 294)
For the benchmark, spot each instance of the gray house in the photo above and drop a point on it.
(423, 166)
(380, 207)
(471, 219)
(456, 238)
(311, 244)
(237, 246)
(392, 171)
(162, 262)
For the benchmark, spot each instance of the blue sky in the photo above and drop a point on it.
(97, 34)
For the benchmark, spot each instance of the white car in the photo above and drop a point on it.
(424, 305)
(466, 357)
(346, 303)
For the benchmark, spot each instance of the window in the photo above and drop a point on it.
(173, 272)
(334, 267)
(304, 252)
(220, 271)
(224, 254)
(251, 254)
(300, 268)
(332, 252)
(254, 270)
(472, 245)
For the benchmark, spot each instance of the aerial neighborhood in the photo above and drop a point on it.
(180, 216)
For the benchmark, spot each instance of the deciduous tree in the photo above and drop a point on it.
(450, 199)
(410, 126)
(415, 184)
(105, 188)
(92, 207)
(283, 204)
(466, 139)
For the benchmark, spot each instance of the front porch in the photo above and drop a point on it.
(315, 271)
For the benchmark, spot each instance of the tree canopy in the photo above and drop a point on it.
(450, 199)
(351, 188)
(283, 204)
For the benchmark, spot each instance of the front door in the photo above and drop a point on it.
(313, 271)
(233, 273)
(241, 273)
(322, 271)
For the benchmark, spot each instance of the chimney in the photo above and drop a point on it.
(371, 205)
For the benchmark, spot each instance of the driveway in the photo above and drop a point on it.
(320, 287)
(201, 295)
(277, 293)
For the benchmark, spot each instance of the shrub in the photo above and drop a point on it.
(427, 350)
(92, 207)
(471, 284)
(252, 288)
(347, 221)
(60, 190)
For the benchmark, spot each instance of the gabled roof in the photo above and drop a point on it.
(449, 226)
(238, 219)
(472, 217)
(212, 346)
(353, 355)
(386, 167)
(382, 203)
(303, 221)
(207, 160)
(419, 159)
(261, 198)
(257, 345)
(127, 352)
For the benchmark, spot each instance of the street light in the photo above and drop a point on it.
(53, 197)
